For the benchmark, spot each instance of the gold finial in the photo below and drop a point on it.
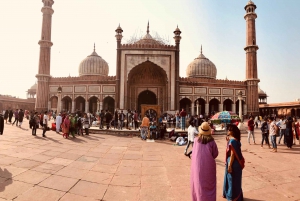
(148, 27)
(94, 47)
(201, 49)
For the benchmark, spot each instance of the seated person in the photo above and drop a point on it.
(181, 141)
(153, 131)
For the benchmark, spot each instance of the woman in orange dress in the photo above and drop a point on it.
(66, 127)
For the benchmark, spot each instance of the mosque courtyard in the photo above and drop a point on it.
(115, 168)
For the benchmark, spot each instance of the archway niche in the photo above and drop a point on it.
(66, 104)
(109, 104)
(213, 106)
(227, 105)
(202, 103)
(146, 97)
(185, 103)
(80, 104)
(149, 78)
(54, 102)
(93, 104)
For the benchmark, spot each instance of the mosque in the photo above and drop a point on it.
(147, 73)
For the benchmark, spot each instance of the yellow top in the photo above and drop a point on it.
(145, 122)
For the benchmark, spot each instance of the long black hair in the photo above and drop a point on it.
(236, 133)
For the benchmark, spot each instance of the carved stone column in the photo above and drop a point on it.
(73, 106)
(86, 106)
(207, 109)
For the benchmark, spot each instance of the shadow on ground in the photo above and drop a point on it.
(4, 173)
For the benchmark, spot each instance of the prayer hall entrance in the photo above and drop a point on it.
(146, 97)
(147, 84)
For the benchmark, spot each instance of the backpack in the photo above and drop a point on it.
(276, 129)
(264, 128)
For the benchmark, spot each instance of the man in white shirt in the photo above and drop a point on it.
(45, 123)
(282, 126)
(192, 131)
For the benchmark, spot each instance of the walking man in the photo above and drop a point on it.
(251, 129)
(45, 123)
(16, 113)
(1, 124)
(101, 115)
(21, 117)
(282, 127)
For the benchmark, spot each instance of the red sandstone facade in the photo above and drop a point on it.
(147, 72)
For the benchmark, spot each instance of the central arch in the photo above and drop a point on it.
(146, 97)
(147, 84)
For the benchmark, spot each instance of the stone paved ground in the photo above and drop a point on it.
(112, 168)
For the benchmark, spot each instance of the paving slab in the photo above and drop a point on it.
(111, 167)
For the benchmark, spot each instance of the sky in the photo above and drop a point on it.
(218, 26)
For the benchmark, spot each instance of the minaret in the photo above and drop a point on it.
(251, 60)
(119, 37)
(45, 43)
(177, 39)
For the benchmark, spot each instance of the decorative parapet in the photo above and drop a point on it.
(95, 78)
(188, 80)
(148, 46)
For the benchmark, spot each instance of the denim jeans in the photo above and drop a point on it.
(121, 124)
(264, 137)
(282, 132)
(273, 140)
(251, 133)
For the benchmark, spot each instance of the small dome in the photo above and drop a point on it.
(93, 65)
(201, 67)
(260, 91)
(148, 40)
(34, 86)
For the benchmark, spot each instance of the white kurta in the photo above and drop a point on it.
(192, 132)
(58, 123)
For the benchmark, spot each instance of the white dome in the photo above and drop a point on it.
(201, 67)
(93, 65)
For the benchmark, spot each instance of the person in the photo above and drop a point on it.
(1, 124)
(180, 141)
(10, 115)
(135, 119)
(58, 122)
(86, 124)
(45, 123)
(116, 117)
(272, 131)
(192, 132)
(289, 132)
(203, 166)
(121, 118)
(295, 130)
(35, 123)
(21, 117)
(282, 126)
(79, 125)
(101, 115)
(108, 118)
(5, 116)
(265, 133)
(16, 113)
(144, 127)
(177, 120)
(72, 126)
(235, 162)
(251, 129)
(153, 131)
(66, 127)
(182, 116)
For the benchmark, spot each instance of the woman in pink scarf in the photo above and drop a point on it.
(203, 167)
(66, 127)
